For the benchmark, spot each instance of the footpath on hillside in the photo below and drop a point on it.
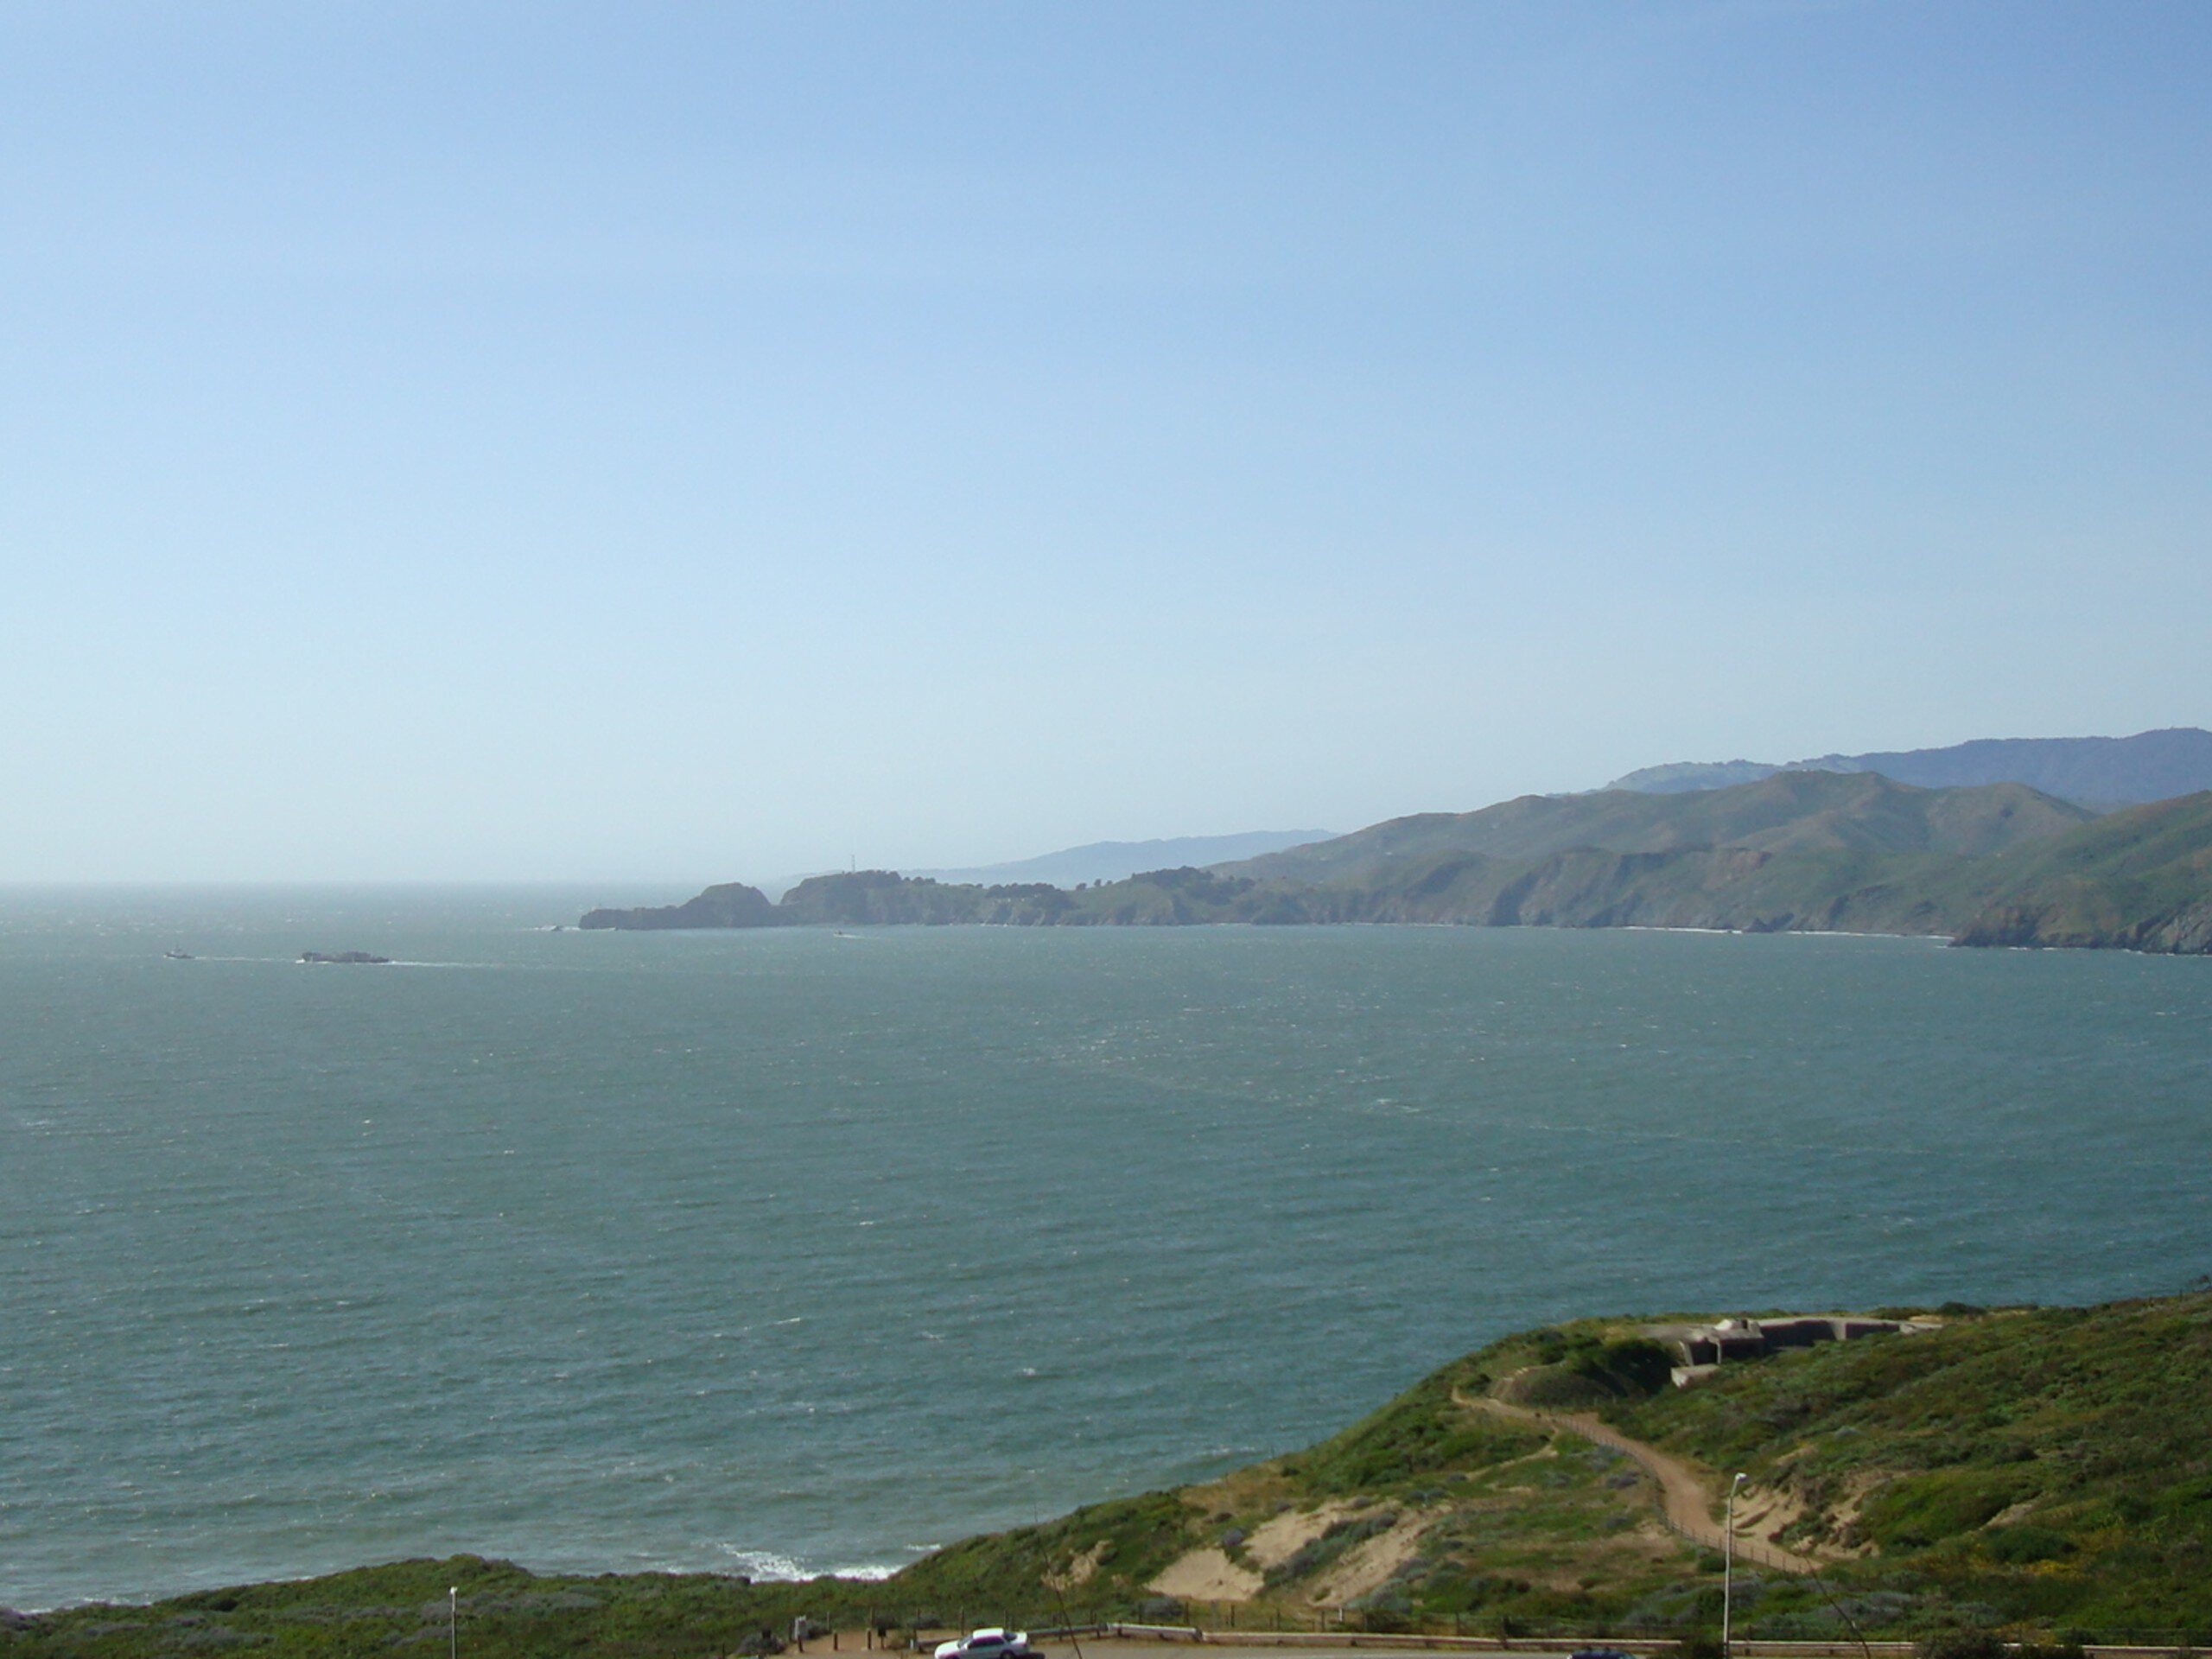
(1686, 1493)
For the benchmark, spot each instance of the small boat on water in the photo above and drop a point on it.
(346, 956)
(179, 955)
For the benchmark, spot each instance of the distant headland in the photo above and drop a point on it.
(1806, 851)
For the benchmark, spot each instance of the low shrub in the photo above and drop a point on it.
(1959, 1644)
(2024, 1546)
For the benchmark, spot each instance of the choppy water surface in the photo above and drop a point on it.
(800, 1249)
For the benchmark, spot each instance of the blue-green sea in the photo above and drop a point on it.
(796, 1250)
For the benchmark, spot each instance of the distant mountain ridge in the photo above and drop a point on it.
(2097, 771)
(1100, 861)
(1117, 861)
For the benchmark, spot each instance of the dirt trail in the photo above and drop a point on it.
(1687, 1495)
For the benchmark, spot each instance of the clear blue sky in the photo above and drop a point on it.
(659, 443)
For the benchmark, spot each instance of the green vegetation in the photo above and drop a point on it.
(2141, 879)
(1790, 812)
(2054, 1464)
(2040, 1473)
(730, 905)
(1997, 864)
(401, 1607)
(1575, 1370)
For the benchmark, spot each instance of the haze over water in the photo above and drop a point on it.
(798, 1250)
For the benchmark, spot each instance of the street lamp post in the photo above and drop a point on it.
(1728, 1564)
(453, 1623)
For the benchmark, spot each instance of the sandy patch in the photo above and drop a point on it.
(1275, 1542)
(1763, 1512)
(1207, 1575)
(1857, 1489)
(1368, 1565)
(1080, 1569)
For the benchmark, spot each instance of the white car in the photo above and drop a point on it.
(992, 1642)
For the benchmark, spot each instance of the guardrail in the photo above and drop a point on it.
(1245, 1625)
(1401, 1642)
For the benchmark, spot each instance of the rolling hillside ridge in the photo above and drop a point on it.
(2100, 771)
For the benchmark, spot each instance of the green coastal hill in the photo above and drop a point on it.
(1994, 864)
(1790, 812)
(2142, 878)
(2042, 1472)
(2048, 1470)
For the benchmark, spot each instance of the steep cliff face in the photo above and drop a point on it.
(2140, 879)
(2185, 933)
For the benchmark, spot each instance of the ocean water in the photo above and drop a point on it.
(790, 1251)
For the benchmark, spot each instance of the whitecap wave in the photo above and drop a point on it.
(764, 1563)
(773, 1565)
